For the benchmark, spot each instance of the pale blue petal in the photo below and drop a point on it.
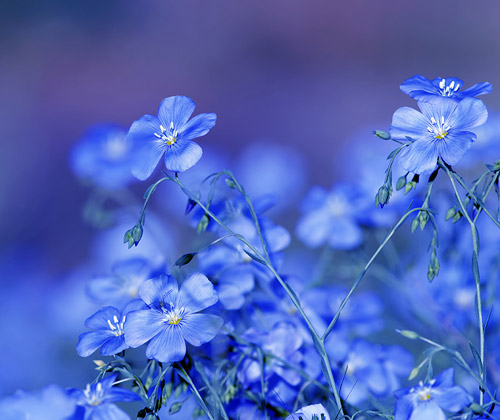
(90, 341)
(476, 90)
(119, 394)
(141, 326)
(404, 405)
(182, 155)
(278, 238)
(313, 228)
(439, 108)
(445, 379)
(470, 113)
(99, 321)
(419, 157)
(168, 347)
(196, 293)
(427, 410)
(108, 411)
(200, 328)
(452, 399)
(114, 346)
(231, 296)
(176, 110)
(418, 84)
(160, 289)
(240, 276)
(198, 126)
(408, 122)
(344, 234)
(454, 145)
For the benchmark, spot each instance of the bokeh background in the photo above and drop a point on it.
(317, 76)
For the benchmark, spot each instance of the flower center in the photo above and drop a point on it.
(174, 315)
(439, 129)
(116, 326)
(94, 397)
(424, 392)
(448, 90)
(168, 136)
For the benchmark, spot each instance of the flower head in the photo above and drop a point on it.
(311, 412)
(170, 133)
(172, 317)
(427, 401)
(440, 130)
(422, 89)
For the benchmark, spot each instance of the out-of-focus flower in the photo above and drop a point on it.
(172, 317)
(432, 399)
(107, 325)
(422, 89)
(103, 156)
(171, 133)
(310, 412)
(97, 400)
(441, 130)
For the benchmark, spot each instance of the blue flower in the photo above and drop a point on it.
(103, 156)
(427, 401)
(107, 325)
(171, 134)
(422, 89)
(441, 130)
(311, 412)
(172, 318)
(97, 400)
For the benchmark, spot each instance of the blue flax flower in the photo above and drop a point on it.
(422, 89)
(97, 400)
(172, 318)
(169, 133)
(311, 412)
(107, 325)
(427, 401)
(441, 130)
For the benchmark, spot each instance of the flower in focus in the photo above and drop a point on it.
(107, 325)
(172, 318)
(170, 133)
(97, 400)
(440, 130)
(422, 89)
(311, 412)
(427, 401)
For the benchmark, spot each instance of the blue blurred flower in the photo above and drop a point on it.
(103, 156)
(441, 130)
(422, 89)
(107, 325)
(172, 318)
(307, 413)
(51, 403)
(171, 134)
(427, 401)
(97, 400)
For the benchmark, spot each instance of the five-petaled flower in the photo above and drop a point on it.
(440, 130)
(172, 318)
(170, 133)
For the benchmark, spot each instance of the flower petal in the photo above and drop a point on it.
(182, 155)
(108, 411)
(345, 234)
(454, 145)
(90, 341)
(408, 122)
(114, 346)
(197, 126)
(419, 157)
(452, 399)
(147, 148)
(201, 328)
(426, 410)
(416, 85)
(141, 326)
(404, 405)
(176, 110)
(168, 347)
(160, 289)
(471, 112)
(476, 90)
(99, 321)
(196, 293)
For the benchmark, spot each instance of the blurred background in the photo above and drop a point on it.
(315, 76)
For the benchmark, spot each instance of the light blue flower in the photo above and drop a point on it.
(172, 317)
(107, 330)
(310, 412)
(422, 89)
(97, 400)
(432, 399)
(441, 130)
(171, 133)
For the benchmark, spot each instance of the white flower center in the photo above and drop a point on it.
(168, 136)
(174, 315)
(116, 326)
(423, 392)
(448, 90)
(94, 397)
(439, 129)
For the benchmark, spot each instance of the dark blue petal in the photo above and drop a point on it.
(141, 326)
(182, 155)
(89, 342)
(168, 347)
(196, 293)
(419, 157)
(404, 405)
(147, 148)
(198, 126)
(445, 379)
(114, 346)
(454, 145)
(200, 328)
(99, 321)
(408, 122)
(176, 110)
(116, 394)
(418, 84)
(160, 289)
